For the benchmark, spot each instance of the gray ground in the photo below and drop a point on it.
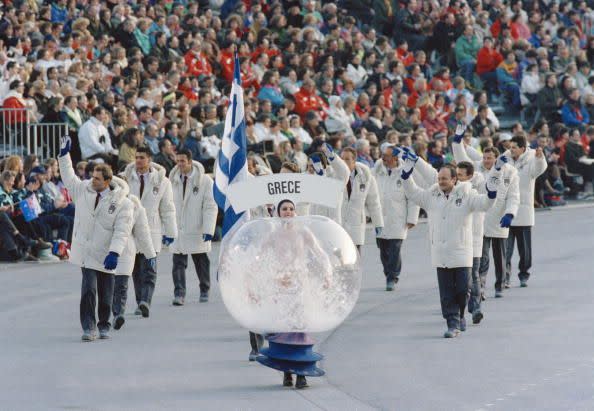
(533, 351)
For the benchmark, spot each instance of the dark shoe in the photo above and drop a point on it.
(144, 309)
(523, 283)
(483, 296)
(88, 336)
(253, 355)
(451, 333)
(462, 324)
(104, 334)
(288, 380)
(178, 301)
(203, 296)
(137, 311)
(390, 284)
(118, 322)
(301, 382)
(498, 294)
(42, 245)
(477, 316)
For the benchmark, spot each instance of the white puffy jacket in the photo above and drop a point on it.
(364, 194)
(397, 209)
(338, 170)
(97, 231)
(508, 192)
(157, 200)
(196, 213)
(450, 221)
(140, 239)
(529, 167)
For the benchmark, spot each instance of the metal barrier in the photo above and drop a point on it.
(20, 136)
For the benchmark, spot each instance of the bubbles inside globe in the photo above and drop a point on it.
(290, 275)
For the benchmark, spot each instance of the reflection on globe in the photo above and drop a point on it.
(290, 275)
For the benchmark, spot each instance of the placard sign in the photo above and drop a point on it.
(271, 189)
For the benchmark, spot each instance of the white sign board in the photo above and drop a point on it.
(271, 189)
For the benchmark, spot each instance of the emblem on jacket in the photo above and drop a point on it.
(155, 190)
(506, 181)
(398, 183)
(458, 202)
(111, 208)
(361, 187)
(195, 190)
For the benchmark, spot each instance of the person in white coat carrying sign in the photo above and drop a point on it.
(102, 226)
(530, 164)
(361, 193)
(449, 205)
(196, 212)
(148, 182)
(139, 241)
(398, 213)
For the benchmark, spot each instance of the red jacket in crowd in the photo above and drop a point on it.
(226, 62)
(306, 101)
(197, 65)
(14, 116)
(487, 60)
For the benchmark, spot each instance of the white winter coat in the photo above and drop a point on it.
(196, 213)
(157, 200)
(508, 192)
(478, 217)
(450, 221)
(397, 210)
(338, 170)
(364, 194)
(90, 138)
(97, 232)
(139, 241)
(529, 167)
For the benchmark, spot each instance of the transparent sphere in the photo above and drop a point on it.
(290, 275)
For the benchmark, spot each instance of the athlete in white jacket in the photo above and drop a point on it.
(449, 205)
(148, 182)
(138, 242)
(499, 217)
(360, 194)
(196, 212)
(399, 214)
(102, 227)
(530, 164)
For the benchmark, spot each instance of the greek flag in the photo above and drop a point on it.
(232, 160)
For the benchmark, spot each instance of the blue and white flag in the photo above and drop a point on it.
(232, 160)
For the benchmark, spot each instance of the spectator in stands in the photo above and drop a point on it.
(577, 160)
(166, 156)
(94, 138)
(573, 112)
(467, 48)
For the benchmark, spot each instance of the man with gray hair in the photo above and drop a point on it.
(363, 152)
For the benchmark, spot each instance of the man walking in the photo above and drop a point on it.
(148, 182)
(449, 205)
(530, 164)
(398, 213)
(102, 225)
(361, 193)
(499, 217)
(196, 212)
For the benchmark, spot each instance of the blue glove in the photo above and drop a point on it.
(152, 262)
(167, 240)
(396, 151)
(111, 261)
(65, 143)
(506, 220)
(491, 186)
(317, 164)
(459, 134)
(206, 237)
(378, 230)
(410, 160)
(501, 160)
(329, 151)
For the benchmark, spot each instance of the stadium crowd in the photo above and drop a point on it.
(352, 73)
